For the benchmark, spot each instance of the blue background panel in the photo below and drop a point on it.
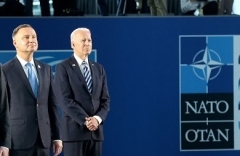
(141, 59)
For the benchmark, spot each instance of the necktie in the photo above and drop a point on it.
(87, 76)
(32, 79)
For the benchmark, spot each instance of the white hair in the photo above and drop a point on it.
(76, 30)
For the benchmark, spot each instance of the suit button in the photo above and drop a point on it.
(37, 104)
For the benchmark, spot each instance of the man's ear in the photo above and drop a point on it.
(14, 43)
(72, 44)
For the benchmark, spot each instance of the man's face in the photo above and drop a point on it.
(82, 43)
(25, 41)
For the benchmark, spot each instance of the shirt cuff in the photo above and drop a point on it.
(4, 147)
(98, 119)
(57, 140)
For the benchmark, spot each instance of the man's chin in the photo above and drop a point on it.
(88, 52)
(31, 51)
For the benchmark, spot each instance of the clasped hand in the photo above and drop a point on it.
(92, 123)
(4, 151)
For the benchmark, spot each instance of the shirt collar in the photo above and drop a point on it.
(79, 60)
(23, 62)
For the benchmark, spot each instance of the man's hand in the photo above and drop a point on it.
(92, 123)
(4, 151)
(57, 147)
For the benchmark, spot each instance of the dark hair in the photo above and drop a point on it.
(15, 31)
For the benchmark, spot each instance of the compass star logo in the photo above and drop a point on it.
(206, 64)
(209, 92)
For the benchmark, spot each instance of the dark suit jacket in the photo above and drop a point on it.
(29, 115)
(4, 113)
(77, 103)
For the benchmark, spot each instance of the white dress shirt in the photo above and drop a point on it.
(79, 61)
(23, 63)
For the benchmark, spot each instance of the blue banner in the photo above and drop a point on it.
(165, 99)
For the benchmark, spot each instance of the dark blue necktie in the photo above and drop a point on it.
(87, 76)
(32, 79)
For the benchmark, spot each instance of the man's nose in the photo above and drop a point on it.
(87, 43)
(31, 39)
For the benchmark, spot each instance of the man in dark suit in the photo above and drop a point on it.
(83, 95)
(33, 109)
(4, 118)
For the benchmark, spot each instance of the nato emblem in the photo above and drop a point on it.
(209, 75)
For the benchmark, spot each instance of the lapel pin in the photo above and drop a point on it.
(73, 65)
(39, 66)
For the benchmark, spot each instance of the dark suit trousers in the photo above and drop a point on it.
(82, 148)
(36, 150)
(28, 7)
(45, 8)
(103, 7)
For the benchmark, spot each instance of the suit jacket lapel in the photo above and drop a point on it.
(21, 74)
(39, 75)
(93, 74)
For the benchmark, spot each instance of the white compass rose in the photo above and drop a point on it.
(206, 64)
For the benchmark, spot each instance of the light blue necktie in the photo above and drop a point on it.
(32, 79)
(87, 76)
